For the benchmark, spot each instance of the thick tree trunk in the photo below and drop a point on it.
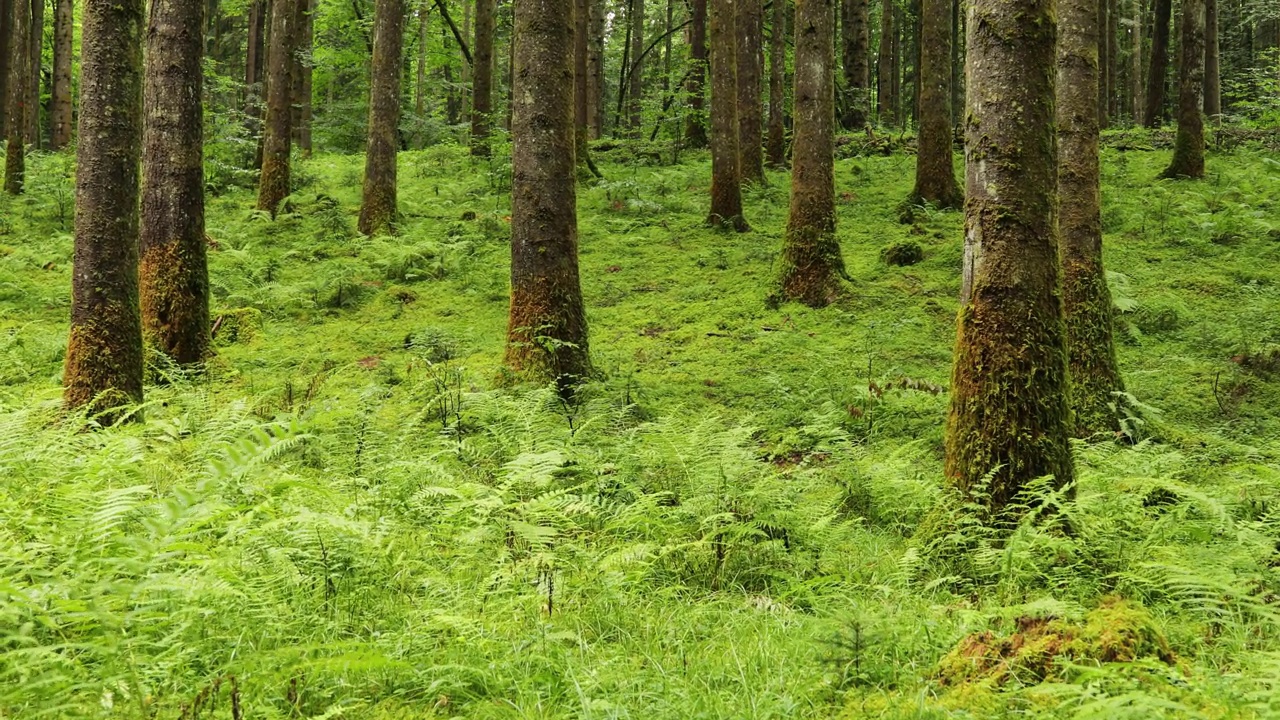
(750, 23)
(1188, 145)
(935, 172)
(726, 182)
(60, 94)
(1212, 61)
(273, 182)
(104, 350)
(855, 35)
(1009, 415)
(378, 209)
(15, 168)
(776, 149)
(811, 261)
(595, 69)
(35, 46)
(695, 127)
(1086, 299)
(482, 78)
(1159, 64)
(886, 67)
(547, 325)
(300, 75)
(173, 273)
(635, 75)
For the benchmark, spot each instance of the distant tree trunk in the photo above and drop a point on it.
(911, 33)
(253, 62)
(581, 80)
(1139, 97)
(104, 351)
(1086, 299)
(750, 24)
(466, 68)
(635, 75)
(886, 68)
(776, 151)
(482, 78)
(6, 61)
(1188, 145)
(1212, 64)
(547, 325)
(811, 261)
(273, 182)
(1009, 414)
(173, 272)
(420, 79)
(935, 172)
(60, 94)
(453, 99)
(15, 168)
(726, 183)
(855, 34)
(300, 75)
(695, 127)
(35, 40)
(1159, 64)
(378, 210)
(595, 69)
(1114, 66)
(1100, 24)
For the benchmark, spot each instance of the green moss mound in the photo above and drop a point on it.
(902, 253)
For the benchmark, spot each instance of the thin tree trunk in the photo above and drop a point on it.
(1159, 64)
(1008, 421)
(811, 261)
(1139, 97)
(547, 325)
(15, 169)
(466, 65)
(886, 72)
(273, 182)
(378, 209)
(695, 127)
(1114, 66)
(61, 92)
(104, 350)
(254, 62)
(420, 80)
(595, 69)
(581, 23)
(635, 75)
(34, 65)
(173, 272)
(300, 75)
(855, 33)
(776, 150)
(750, 23)
(6, 60)
(935, 172)
(1100, 25)
(1188, 145)
(482, 79)
(1212, 61)
(726, 183)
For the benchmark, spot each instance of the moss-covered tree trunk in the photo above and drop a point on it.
(104, 351)
(726, 182)
(695, 124)
(1009, 416)
(300, 75)
(482, 78)
(811, 261)
(1091, 354)
(60, 93)
(378, 207)
(855, 44)
(887, 67)
(1212, 61)
(935, 173)
(174, 274)
(1188, 144)
(273, 182)
(776, 147)
(750, 23)
(15, 169)
(1162, 11)
(6, 31)
(635, 70)
(547, 325)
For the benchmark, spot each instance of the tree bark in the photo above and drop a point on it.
(726, 183)
(6, 61)
(1188, 144)
(1212, 61)
(1159, 64)
(173, 272)
(1139, 96)
(547, 325)
(886, 69)
(35, 40)
(254, 60)
(695, 127)
(935, 172)
(15, 169)
(635, 74)
(1009, 416)
(63, 27)
(420, 79)
(855, 34)
(1086, 299)
(750, 24)
(811, 260)
(300, 75)
(104, 351)
(581, 81)
(776, 149)
(1103, 61)
(482, 79)
(273, 182)
(595, 69)
(378, 209)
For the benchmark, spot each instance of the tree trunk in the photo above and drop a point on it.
(1086, 299)
(35, 40)
(1114, 66)
(6, 61)
(104, 349)
(63, 27)
(1009, 416)
(695, 126)
(811, 261)
(750, 24)
(776, 151)
(465, 67)
(595, 69)
(1188, 145)
(15, 165)
(1159, 64)
(300, 75)
(1139, 98)
(581, 23)
(273, 182)
(886, 71)
(420, 79)
(1212, 64)
(253, 65)
(1103, 73)
(855, 34)
(726, 183)
(173, 273)
(378, 209)
(635, 75)
(547, 325)
(935, 172)
(482, 78)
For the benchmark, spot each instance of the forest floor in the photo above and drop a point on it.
(348, 515)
